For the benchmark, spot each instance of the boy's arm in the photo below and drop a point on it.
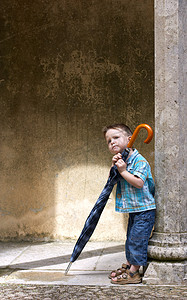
(130, 178)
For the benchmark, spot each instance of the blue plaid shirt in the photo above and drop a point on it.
(131, 199)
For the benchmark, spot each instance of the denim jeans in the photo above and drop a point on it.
(140, 225)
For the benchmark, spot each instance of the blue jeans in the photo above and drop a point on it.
(140, 225)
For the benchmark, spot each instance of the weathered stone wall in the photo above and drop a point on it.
(67, 69)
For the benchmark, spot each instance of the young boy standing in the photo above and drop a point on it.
(134, 195)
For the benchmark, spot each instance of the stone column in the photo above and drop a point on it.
(167, 249)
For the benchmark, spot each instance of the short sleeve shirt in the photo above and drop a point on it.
(131, 199)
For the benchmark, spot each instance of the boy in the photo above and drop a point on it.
(134, 195)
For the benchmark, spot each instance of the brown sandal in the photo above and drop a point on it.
(127, 278)
(119, 271)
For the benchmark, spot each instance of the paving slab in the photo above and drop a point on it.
(47, 261)
(10, 251)
(112, 257)
(58, 277)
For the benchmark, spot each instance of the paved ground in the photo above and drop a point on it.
(43, 292)
(36, 271)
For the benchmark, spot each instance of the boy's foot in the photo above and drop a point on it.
(127, 278)
(119, 271)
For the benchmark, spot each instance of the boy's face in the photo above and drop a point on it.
(117, 140)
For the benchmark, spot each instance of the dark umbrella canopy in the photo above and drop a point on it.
(96, 212)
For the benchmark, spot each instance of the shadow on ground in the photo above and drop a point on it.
(63, 259)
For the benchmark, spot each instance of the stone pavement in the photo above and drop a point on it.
(31, 270)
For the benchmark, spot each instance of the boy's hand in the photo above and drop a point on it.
(115, 158)
(121, 165)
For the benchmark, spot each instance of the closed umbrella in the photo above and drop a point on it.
(96, 212)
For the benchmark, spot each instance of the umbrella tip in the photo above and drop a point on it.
(68, 267)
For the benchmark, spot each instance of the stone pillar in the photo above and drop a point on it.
(167, 249)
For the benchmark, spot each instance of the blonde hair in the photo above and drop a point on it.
(121, 126)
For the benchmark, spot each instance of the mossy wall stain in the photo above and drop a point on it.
(68, 68)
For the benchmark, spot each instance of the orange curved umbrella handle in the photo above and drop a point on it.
(136, 131)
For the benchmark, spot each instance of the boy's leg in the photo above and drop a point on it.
(138, 237)
(134, 269)
(139, 229)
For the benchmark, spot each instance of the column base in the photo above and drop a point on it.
(168, 247)
(165, 273)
